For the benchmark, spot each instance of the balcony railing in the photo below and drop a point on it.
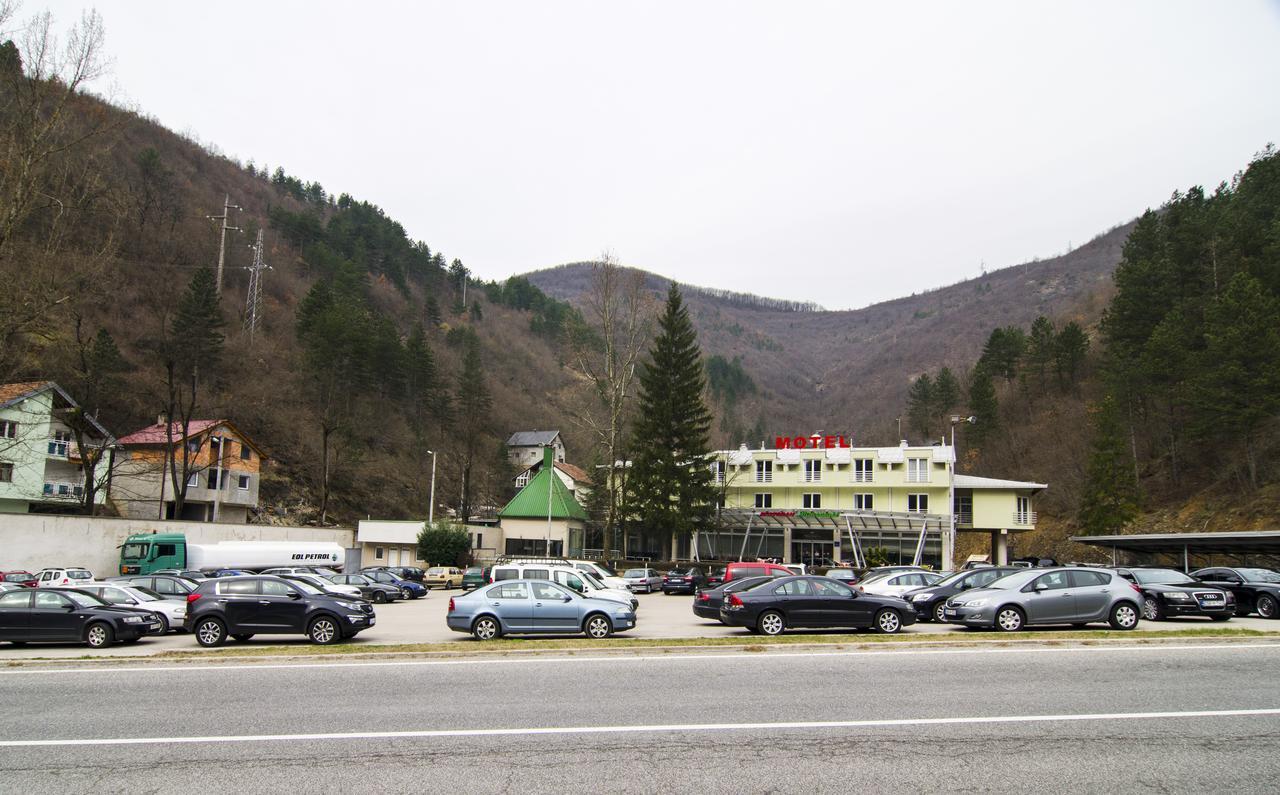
(65, 491)
(1024, 517)
(862, 477)
(764, 477)
(964, 517)
(917, 477)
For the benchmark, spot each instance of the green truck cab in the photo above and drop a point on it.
(144, 553)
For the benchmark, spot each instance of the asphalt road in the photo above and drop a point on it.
(1079, 719)
(659, 616)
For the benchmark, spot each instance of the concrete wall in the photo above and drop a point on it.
(35, 541)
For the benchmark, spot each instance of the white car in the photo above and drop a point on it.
(602, 574)
(171, 611)
(325, 584)
(898, 583)
(576, 579)
(63, 578)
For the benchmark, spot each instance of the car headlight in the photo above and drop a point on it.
(134, 620)
(976, 602)
(348, 605)
(921, 597)
(1177, 596)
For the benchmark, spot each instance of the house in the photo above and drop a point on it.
(575, 478)
(389, 542)
(42, 470)
(224, 469)
(524, 448)
(544, 518)
(833, 504)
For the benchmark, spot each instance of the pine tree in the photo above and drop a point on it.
(1003, 351)
(1041, 348)
(946, 395)
(473, 403)
(983, 406)
(1110, 496)
(431, 311)
(1072, 347)
(920, 405)
(670, 479)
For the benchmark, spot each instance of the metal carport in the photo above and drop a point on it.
(1262, 545)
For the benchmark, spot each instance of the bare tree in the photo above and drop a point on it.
(618, 314)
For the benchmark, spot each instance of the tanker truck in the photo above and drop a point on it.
(144, 553)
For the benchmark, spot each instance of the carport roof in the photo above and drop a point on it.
(1251, 542)
(817, 519)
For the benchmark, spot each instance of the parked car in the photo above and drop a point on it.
(408, 588)
(739, 570)
(930, 600)
(166, 585)
(24, 578)
(571, 578)
(1169, 592)
(170, 611)
(813, 602)
(715, 577)
(443, 577)
(325, 584)
(195, 575)
(683, 580)
(280, 571)
(606, 577)
(897, 583)
(10, 586)
(377, 592)
(241, 607)
(846, 576)
(1255, 590)
(642, 580)
(876, 571)
(66, 615)
(62, 578)
(707, 601)
(474, 577)
(1075, 596)
(412, 573)
(216, 573)
(535, 606)
(795, 568)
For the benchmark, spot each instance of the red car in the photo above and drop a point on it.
(19, 578)
(736, 571)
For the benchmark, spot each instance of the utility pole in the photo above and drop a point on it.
(227, 207)
(253, 304)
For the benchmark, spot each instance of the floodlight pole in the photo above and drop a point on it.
(431, 507)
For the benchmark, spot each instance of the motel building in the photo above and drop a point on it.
(814, 500)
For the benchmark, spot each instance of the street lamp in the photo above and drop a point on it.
(431, 507)
(949, 554)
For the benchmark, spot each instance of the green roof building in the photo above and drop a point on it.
(544, 518)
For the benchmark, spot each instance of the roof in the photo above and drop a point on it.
(974, 482)
(11, 394)
(1255, 541)
(156, 435)
(577, 473)
(532, 502)
(389, 532)
(835, 519)
(532, 438)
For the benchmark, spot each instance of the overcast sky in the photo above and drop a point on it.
(839, 152)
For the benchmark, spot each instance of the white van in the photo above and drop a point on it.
(575, 579)
(595, 569)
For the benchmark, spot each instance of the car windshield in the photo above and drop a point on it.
(85, 600)
(305, 587)
(632, 574)
(590, 579)
(143, 594)
(474, 570)
(79, 574)
(747, 584)
(435, 571)
(1162, 577)
(1259, 575)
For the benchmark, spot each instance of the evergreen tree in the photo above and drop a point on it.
(671, 481)
(1003, 351)
(920, 405)
(946, 395)
(1041, 348)
(983, 406)
(473, 403)
(432, 312)
(1072, 347)
(1110, 496)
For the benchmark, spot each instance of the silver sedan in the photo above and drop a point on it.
(642, 580)
(523, 607)
(1076, 596)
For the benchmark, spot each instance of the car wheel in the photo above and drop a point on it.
(324, 631)
(1151, 610)
(211, 632)
(1009, 619)
(598, 627)
(771, 623)
(164, 624)
(379, 597)
(405, 593)
(486, 628)
(937, 612)
(243, 637)
(98, 635)
(888, 621)
(1267, 606)
(1124, 616)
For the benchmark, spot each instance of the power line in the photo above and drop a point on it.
(253, 301)
(227, 207)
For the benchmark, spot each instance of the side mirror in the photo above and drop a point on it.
(566, 598)
(1038, 587)
(295, 595)
(69, 608)
(853, 593)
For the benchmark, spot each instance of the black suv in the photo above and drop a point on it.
(241, 607)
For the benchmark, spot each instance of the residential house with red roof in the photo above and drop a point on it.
(223, 470)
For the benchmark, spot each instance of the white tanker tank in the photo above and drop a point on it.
(264, 554)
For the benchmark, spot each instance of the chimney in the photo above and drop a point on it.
(548, 456)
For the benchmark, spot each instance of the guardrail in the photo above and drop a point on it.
(1024, 517)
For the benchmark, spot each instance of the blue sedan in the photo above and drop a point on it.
(408, 588)
(525, 607)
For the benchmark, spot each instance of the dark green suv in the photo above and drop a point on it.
(474, 577)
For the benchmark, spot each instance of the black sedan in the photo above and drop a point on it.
(707, 601)
(683, 580)
(813, 602)
(373, 591)
(930, 599)
(1169, 592)
(70, 616)
(1256, 590)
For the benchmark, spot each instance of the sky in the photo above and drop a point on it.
(843, 152)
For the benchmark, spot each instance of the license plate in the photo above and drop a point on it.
(372, 620)
(950, 611)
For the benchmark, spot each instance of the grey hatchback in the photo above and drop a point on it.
(535, 606)
(1076, 596)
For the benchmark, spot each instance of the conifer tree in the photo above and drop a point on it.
(1069, 353)
(920, 405)
(983, 406)
(671, 479)
(1041, 348)
(1110, 496)
(473, 403)
(946, 395)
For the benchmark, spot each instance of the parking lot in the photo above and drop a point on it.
(659, 616)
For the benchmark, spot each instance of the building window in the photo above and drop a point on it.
(6, 472)
(812, 470)
(59, 443)
(862, 502)
(242, 483)
(917, 470)
(194, 445)
(522, 480)
(8, 429)
(717, 471)
(862, 470)
(479, 540)
(918, 503)
(963, 507)
(245, 453)
(193, 480)
(764, 472)
(764, 500)
(213, 479)
(812, 500)
(1022, 514)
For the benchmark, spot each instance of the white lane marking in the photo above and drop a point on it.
(635, 659)
(674, 727)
